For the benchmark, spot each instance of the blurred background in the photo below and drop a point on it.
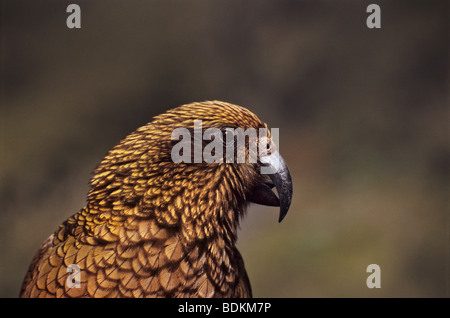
(363, 117)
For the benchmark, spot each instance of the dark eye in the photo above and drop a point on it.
(267, 144)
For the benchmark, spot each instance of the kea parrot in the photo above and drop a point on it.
(156, 227)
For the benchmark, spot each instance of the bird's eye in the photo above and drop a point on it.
(266, 145)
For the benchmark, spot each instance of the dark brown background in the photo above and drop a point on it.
(363, 118)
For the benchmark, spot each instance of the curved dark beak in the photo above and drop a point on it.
(276, 169)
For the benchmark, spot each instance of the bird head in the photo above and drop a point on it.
(180, 168)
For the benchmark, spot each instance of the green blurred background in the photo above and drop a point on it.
(363, 118)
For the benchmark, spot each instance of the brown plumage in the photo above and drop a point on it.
(155, 228)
